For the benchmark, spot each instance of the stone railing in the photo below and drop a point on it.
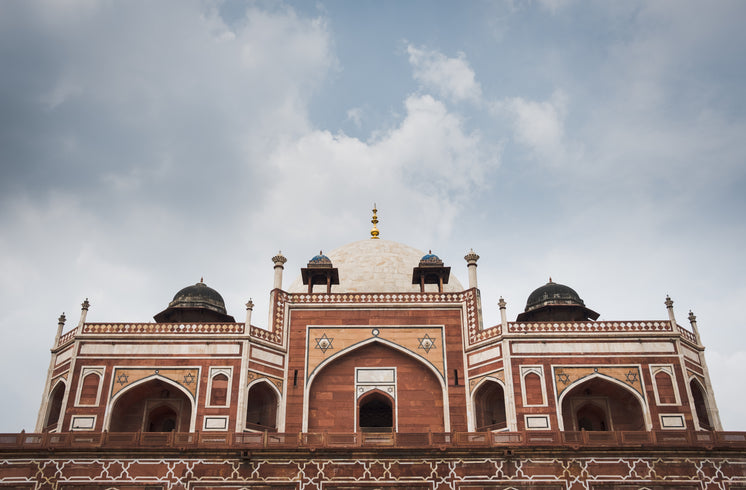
(376, 297)
(591, 327)
(397, 440)
(164, 328)
(68, 337)
(687, 335)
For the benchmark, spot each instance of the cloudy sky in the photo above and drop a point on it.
(144, 145)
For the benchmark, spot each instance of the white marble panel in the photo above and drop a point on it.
(124, 349)
(485, 355)
(591, 347)
(376, 375)
(266, 356)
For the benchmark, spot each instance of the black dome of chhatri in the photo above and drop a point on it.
(555, 302)
(199, 295)
(553, 293)
(194, 304)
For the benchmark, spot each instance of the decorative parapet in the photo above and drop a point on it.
(265, 335)
(394, 298)
(687, 335)
(164, 328)
(485, 334)
(591, 327)
(68, 337)
(655, 441)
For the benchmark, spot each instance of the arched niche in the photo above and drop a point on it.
(261, 407)
(54, 407)
(601, 403)
(699, 397)
(489, 406)
(331, 399)
(155, 404)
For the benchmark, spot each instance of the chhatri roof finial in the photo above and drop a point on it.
(374, 230)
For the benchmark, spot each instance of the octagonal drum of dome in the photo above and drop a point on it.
(376, 266)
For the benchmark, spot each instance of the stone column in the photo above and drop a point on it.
(503, 316)
(83, 314)
(471, 261)
(279, 261)
(669, 307)
(249, 309)
(60, 327)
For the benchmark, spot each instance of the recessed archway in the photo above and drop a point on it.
(261, 409)
(600, 403)
(54, 407)
(332, 401)
(155, 405)
(700, 404)
(489, 406)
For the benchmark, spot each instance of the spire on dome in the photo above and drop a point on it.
(374, 230)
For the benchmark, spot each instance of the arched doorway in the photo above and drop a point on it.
(592, 415)
(153, 406)
(601, 404)
(54, 407)
(700, 404)
(261, 410)
(375, 412)
(161, 419)
(489, 406)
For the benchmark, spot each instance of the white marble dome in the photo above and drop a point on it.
(376, 266)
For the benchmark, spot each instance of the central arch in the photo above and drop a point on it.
(331, 401)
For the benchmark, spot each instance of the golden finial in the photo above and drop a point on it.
(374, 230)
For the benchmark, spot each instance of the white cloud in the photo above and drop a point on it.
(539, 126)
(449, 77)
(425, 168)
(355, 115)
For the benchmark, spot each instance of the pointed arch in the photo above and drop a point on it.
(406, 422)
(54, 410)
(90, 388)
(143, 399)
(263, 406)
(701, 407)
(610, 405)
(665, 391)
(375, 412)
(219, 390)
(385, 342)
(490, 409)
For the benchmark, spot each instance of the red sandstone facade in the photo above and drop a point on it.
(376, 372)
